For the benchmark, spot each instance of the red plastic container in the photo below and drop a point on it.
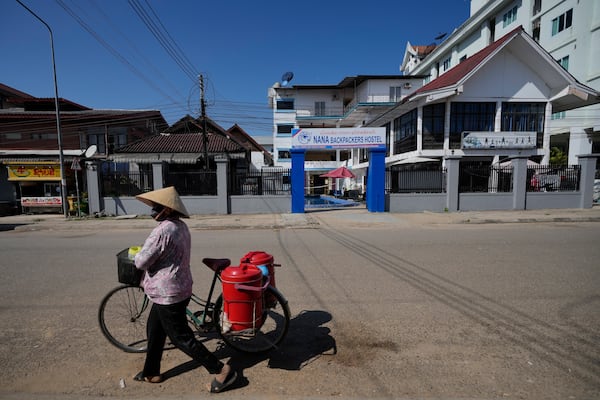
(242, 296)
(258, 258)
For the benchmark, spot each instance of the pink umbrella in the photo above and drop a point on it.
(341, 172)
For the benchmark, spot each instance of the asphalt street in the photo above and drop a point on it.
(480, 305)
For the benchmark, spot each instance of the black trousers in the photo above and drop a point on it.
(170, 320)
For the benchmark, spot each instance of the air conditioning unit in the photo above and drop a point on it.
(407, 85)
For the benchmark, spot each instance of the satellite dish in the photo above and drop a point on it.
(91, 151)
(440, 36)
(286, 78)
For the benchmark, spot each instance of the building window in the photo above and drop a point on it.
(433, 126)
(285, 129)
(509, 17)
(405, 133)
(564, 62)
(537, 7)
(11, 136)
(524, 117)
(446, 64)
(535, 30)
(395, 93)
(97, 139)
(44, 136)
(285, 104)
(284, 155)
(388, 138)
(320, 108)
(492, 28)
(363, 155)
(562, 22)
(467, 117)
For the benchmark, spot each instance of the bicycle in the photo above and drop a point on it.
(123, 314)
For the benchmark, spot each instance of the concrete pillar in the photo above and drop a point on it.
(376, 181)
(452, 174)
(519, 177)
(95, 202)
(586, 180)
(297, 179)
(579, 143)
(157, 175)
(222, 194)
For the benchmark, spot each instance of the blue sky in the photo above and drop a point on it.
(108, 58)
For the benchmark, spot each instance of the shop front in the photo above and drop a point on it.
(37, 185)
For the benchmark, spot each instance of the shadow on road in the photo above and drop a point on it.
(306, 341)
(9, 227)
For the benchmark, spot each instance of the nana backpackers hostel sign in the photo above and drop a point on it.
(338, 138)
(499, 140)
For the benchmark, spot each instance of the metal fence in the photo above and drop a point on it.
(116, 184)
(271, 181)
(481, 177)
(416, 180)
(548, 178)
(192, 183)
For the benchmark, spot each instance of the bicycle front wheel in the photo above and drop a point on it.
(276, 315)
(122, 316)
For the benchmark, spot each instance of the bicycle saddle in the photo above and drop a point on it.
(217, 264)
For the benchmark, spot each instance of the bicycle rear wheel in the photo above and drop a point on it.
(276, 323)
(122, 316)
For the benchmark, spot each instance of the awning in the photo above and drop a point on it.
(33, 156)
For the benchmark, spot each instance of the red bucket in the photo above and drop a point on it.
(265, 260)
(242, 297)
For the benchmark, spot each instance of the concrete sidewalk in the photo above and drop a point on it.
(311, 219)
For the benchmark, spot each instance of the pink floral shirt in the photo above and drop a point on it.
(165, 257)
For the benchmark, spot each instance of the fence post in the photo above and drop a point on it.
(586, 180)
(93, 186)
(452, 192)
(157, 175)
(222, 193)
(297, 181)
(519, 177)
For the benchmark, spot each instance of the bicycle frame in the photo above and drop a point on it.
(199, 318)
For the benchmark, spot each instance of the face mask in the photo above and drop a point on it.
(157, 212)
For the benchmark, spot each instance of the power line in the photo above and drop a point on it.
(164, 39)
(112, 50)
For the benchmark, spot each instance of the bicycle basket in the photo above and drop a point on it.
(126, 269)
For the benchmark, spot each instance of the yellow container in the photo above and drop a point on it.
(133, 250)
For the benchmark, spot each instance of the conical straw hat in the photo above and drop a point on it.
(167, 197)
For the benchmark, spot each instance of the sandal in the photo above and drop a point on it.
(150, 379)
(218, 387)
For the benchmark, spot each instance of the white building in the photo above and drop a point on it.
(569, 30)
(351, 103)
(495, 104)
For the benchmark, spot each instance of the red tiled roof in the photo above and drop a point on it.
(12, 92)
(182, 143)
(424, 50)
(455, 74)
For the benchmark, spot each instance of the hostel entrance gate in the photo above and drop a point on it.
(340, 138)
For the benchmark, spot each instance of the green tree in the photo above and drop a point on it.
(558, 156)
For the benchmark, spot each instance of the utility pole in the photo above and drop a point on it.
(204, 132)
(61, 161)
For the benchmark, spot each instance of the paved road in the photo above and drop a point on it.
(384, 306)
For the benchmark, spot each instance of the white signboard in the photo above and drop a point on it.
(338, 138)
(499, 140)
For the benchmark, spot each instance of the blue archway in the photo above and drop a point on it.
(336, 138)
